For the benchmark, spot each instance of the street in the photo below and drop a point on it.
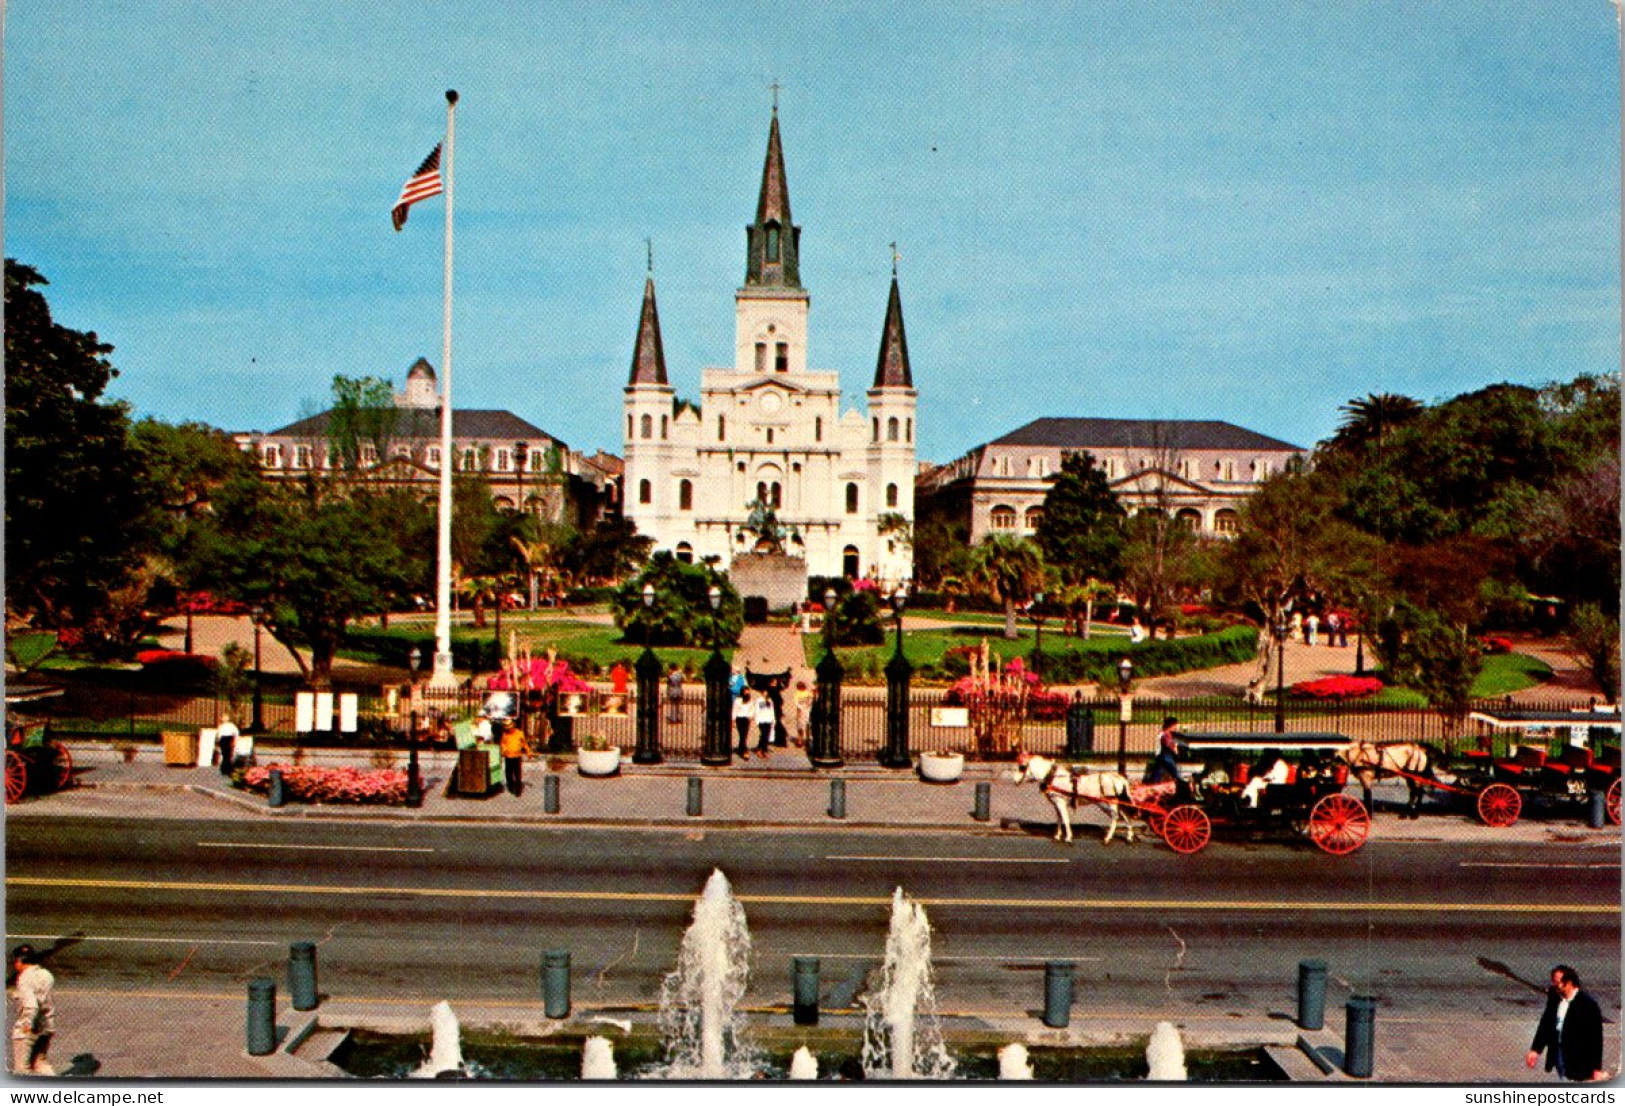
(416, 912)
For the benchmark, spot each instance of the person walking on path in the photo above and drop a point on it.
(31, 1033)
(1312, 625)
(744, 715)
(674, 696)
(226, 742)
(803, 705)
(1570, 1030)
(515, 748)
(767, 720)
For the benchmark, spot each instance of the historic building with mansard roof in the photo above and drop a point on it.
(769, 429)
(1198, 471)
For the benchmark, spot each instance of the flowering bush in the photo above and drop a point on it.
(310, 784)
(1495, 645)
(168, 656)
(1336, 687)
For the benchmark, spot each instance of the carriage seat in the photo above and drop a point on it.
(1526, 761)
(1574, 760)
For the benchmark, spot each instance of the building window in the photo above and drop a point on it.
(369, 455)
(1189, 517)
(432, 458)
(1224, 521)
(908, 430)
(722, 427)
(471, 460)
(662, 427)
(685, 552)
(1227, 468)
(796, 468)
(761, 491)
(818, 428)
(271, 456)
(504, 459)
(301, 456)
(849, 562)
(781, 357)
(685, 495)
(770, 435)
(647, 425)
(741, 466)
(1035, 515)
(646, 492)
(761, 357)
(891, 429)
(891, 495)
(877, 430)
(1003, 518)
(851, 499)
(775, 495)
(773, 242)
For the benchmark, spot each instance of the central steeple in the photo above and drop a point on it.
(773, 242)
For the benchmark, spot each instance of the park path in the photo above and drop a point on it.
(773, 649)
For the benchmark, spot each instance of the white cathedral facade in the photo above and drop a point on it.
(769, 431)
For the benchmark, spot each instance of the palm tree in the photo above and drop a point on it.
(1369, 420)
(1086, 595)
(1012, 569)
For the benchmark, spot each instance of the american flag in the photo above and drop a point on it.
(419, 186)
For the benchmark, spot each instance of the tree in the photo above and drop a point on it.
(1012, 569)
(942, 551)
(76, 524)
(1366, 422)
(605, 553)
(363, 414)
(1158, 557)
(681, 612)
(1081, 531)
(1594, 641)
(1421, 649)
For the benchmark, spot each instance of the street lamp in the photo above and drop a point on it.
(829, 619)
(899, 598)
(1038, 638)
(1280, 674)
(414, 778)
(258, 724)
(647, 750)
(898, 671)
(521, 454)
(1125, 712)
(716, 750)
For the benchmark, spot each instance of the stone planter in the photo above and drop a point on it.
(598, 762)
(941, 767)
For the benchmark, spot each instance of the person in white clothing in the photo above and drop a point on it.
(1275, 771)
(31, 1033)
(225, 741)
(767, 720)
(744, 713)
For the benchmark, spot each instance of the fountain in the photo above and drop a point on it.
(1165, 1055)
(902, 1038)
(803, 1065)
(1013, 1063)
(598, 1059)
(445, 1049)
(698, 1001)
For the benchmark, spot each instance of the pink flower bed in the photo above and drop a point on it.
(1495, 645)
(169, 656)
(310, 784)
(1336, 687)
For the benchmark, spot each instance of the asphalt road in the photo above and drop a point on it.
(463, 912)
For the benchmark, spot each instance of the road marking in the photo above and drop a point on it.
(1521, 864)
(323, 848)
(950, 859)
(687, 898)
(149, 940)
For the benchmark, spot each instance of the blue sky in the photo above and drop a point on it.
(1245, 211)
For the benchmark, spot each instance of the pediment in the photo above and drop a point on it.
(771, 382)
(1149, 481)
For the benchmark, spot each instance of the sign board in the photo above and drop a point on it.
(324, 710)
(304, 712)
(950, 717)
(347, 712)
(1126, 711)
(206, 741)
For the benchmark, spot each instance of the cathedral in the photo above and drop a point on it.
(768, 461)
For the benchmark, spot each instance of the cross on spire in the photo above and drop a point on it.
(775, 86)
(650, 243)
(894, 257)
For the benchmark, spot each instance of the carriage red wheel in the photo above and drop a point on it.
(1186, 829)
(1156, 818)
(61, 762)
(1339, 824)
(16, 775)
(1499, 805)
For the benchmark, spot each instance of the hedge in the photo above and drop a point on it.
(1098, 664)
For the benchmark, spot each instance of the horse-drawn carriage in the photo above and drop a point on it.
(1560, 759)
(1299, 791)
(35, 763)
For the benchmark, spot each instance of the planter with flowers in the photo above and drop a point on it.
(595, 756)
(941, 767)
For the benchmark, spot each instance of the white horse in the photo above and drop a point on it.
(1063, 788)
(1412, 761)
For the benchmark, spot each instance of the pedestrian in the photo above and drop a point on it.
(226, 743)
(515, 748)
(744, 715)
(1136, 632)
(674, 696)
(1296, 633)
(31, 1033)
(617, 687)
(766, 720)
(1167, 759)
(736, 683)
(1312, 627)
(1334, 623)
(775, 695)
(802, 699)
(1570, 1030)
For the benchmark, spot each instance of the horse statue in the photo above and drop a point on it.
(1063, 787)
(1370, 761)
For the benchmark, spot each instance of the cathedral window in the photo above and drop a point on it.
(775, 495)
(646, 492)
(851, 499)
(629, 427)
(685, 495)
(761, 357)
(722, 427)
(891, 429)
(818, 428)
(770, 435)
(908, 431)
(891, 495)
(647, 425)
(772, 242)
(685, 552)
(781, 357)
(662, 427)
(1003, 518)
(877, 430)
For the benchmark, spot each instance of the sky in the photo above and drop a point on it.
(1247, 211)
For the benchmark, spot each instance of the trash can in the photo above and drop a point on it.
(180, 748)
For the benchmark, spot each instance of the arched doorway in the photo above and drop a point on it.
(849, 562)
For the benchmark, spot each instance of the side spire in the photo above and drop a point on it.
(773, 242)
(891, 370)
(649, 356)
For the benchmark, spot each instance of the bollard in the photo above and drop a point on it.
(1057, 993)
(302, 975)
(1597, 813)
(556, 983)
(804, 989)
(1311, 994)
(550, 794)
(837, 798)
(984, 801)
(696, 796)
(278, 794)
(261, 1016)
(1359, 1036)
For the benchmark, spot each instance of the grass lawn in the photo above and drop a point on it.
(1504, 673)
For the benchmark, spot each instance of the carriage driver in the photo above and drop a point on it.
(1166, 763)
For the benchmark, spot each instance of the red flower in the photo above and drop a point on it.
(1336, 687)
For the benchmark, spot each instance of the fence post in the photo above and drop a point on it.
(261, 1023)
(647, 669)
(898, 672)
(825, 748)
(717, 750)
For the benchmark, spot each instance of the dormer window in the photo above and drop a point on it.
(271, 455)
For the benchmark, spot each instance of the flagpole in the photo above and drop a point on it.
(442, 675)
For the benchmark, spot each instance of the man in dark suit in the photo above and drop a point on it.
(1570, 1030)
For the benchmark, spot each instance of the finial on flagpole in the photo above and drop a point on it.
(894, 256)
(451, 95)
